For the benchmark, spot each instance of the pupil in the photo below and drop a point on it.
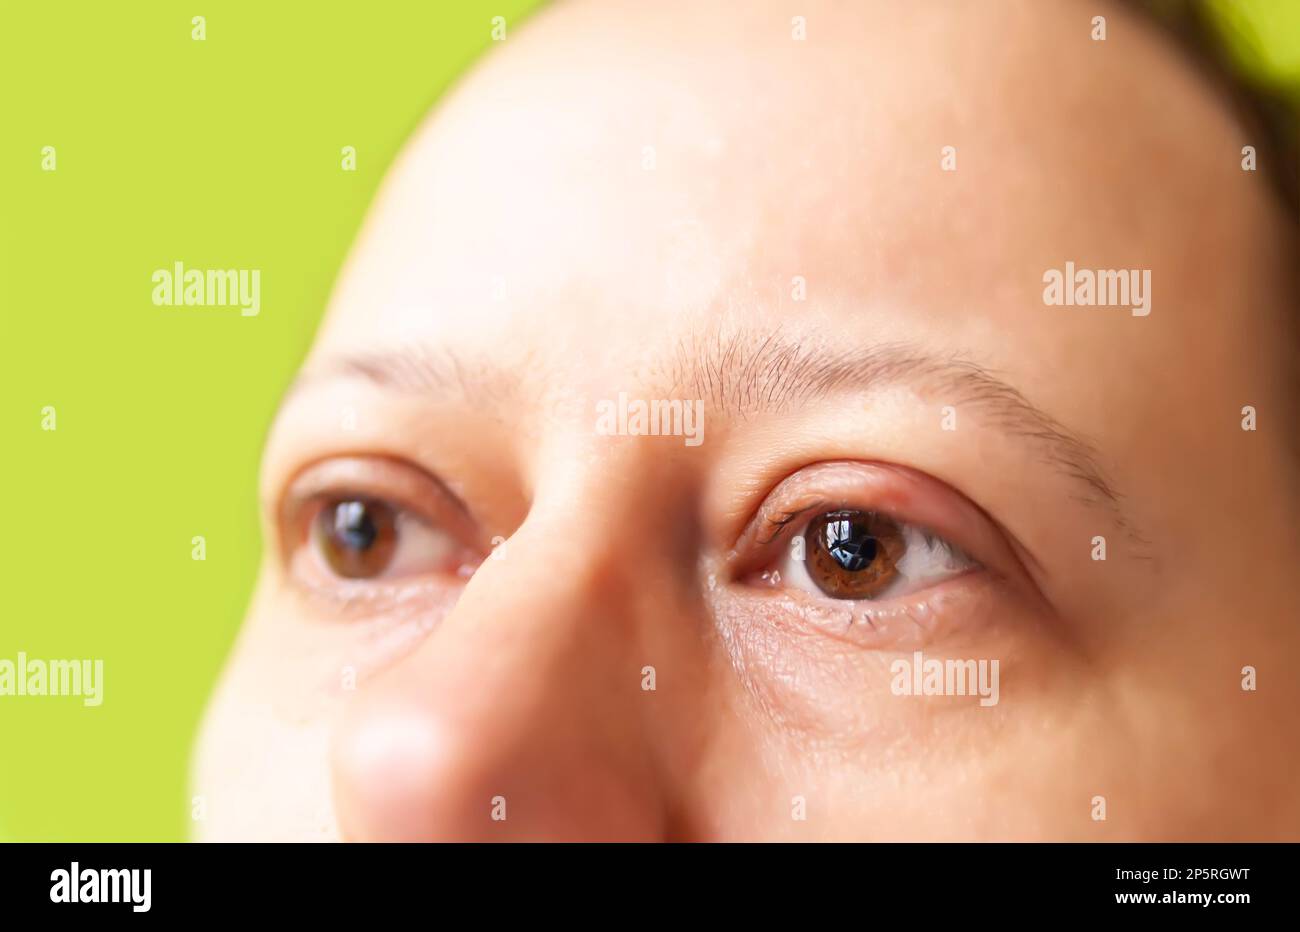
(354, 526)
(850, 544)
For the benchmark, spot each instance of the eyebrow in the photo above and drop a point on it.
(742, 374)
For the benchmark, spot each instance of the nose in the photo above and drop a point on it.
(520, 718)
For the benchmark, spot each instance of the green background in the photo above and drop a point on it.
(223, 153)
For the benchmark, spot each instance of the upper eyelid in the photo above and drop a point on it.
(906, 495)
(770, 515)
(308, 482)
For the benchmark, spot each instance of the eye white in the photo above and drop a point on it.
(928, 559)
(421, 548)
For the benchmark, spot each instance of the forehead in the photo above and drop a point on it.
(619, 178)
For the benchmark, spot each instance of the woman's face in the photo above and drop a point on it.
(687, 407)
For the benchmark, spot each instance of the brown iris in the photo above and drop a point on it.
(357, 537)
(853, 554)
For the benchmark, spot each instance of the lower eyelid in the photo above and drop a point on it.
(396, 601)
(960, 606)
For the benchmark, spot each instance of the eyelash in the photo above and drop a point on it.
(778, 523)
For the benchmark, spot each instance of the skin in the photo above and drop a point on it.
(526, 231)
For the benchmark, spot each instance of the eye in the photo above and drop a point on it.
(353, 521)
(860, 554)
(865, 533)
(369, 538)
(875, 555)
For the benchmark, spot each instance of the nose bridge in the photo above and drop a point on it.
(550, 598)
(526, 702)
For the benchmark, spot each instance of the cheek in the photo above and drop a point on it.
(257, 775)
(261, 768)
(306, 650)
(873, 763)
